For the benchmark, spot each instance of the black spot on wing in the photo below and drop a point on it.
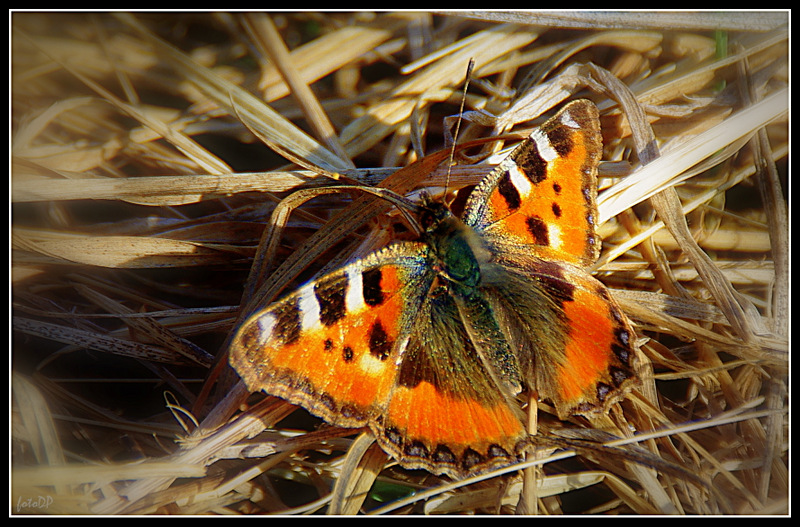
(471, 459)
(347, 354)
(380, 345)
(394, 436)
(416, 449)
(537, 227)
(496, 451)
(560, 139)
(373, 294)
(251, 337)
(443, 455)
(331, 299)
(353, 412)
(287, 322)
(603, 390)
(531, 162)
(619, 376)
(509, 192)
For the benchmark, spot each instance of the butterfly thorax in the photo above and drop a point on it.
(458, 251)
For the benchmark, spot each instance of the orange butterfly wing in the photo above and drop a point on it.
(574, 345)
(544, 194)
(363, 346)
(537, 212)
(332, 345)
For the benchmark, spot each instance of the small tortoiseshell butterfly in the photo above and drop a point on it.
(429, 342)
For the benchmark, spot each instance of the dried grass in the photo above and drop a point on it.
(141, 182)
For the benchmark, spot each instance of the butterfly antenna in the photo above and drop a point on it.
(470, 66)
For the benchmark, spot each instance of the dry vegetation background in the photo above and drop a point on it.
(143, 174)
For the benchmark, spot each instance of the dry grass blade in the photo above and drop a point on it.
(152, 208)
(263, 32)
(361, 467)
(37, 425)
(333, 51)
(78, 474)
(234, 99)
(132, 252)
(660, 20)
(687, 78)
(667, 205)
(157, 333)
(168, 190)
(673, 163)
(381, 119)
(185, 144)
(95, 341)
(554, 485)
(632, 41)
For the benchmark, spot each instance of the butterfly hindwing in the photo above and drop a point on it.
(599, 358)
(543, 195)
(448, 414)
(573, 343)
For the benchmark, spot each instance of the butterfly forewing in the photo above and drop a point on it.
(543, 195)
(333, 345)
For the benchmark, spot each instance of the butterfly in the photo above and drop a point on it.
(431, 343)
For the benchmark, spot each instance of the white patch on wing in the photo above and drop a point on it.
(371, 365)
(309, 307)
(555, 234)
(354, 301)
(567, 120)
(266, 323)
(546, 150)
(520, 180)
